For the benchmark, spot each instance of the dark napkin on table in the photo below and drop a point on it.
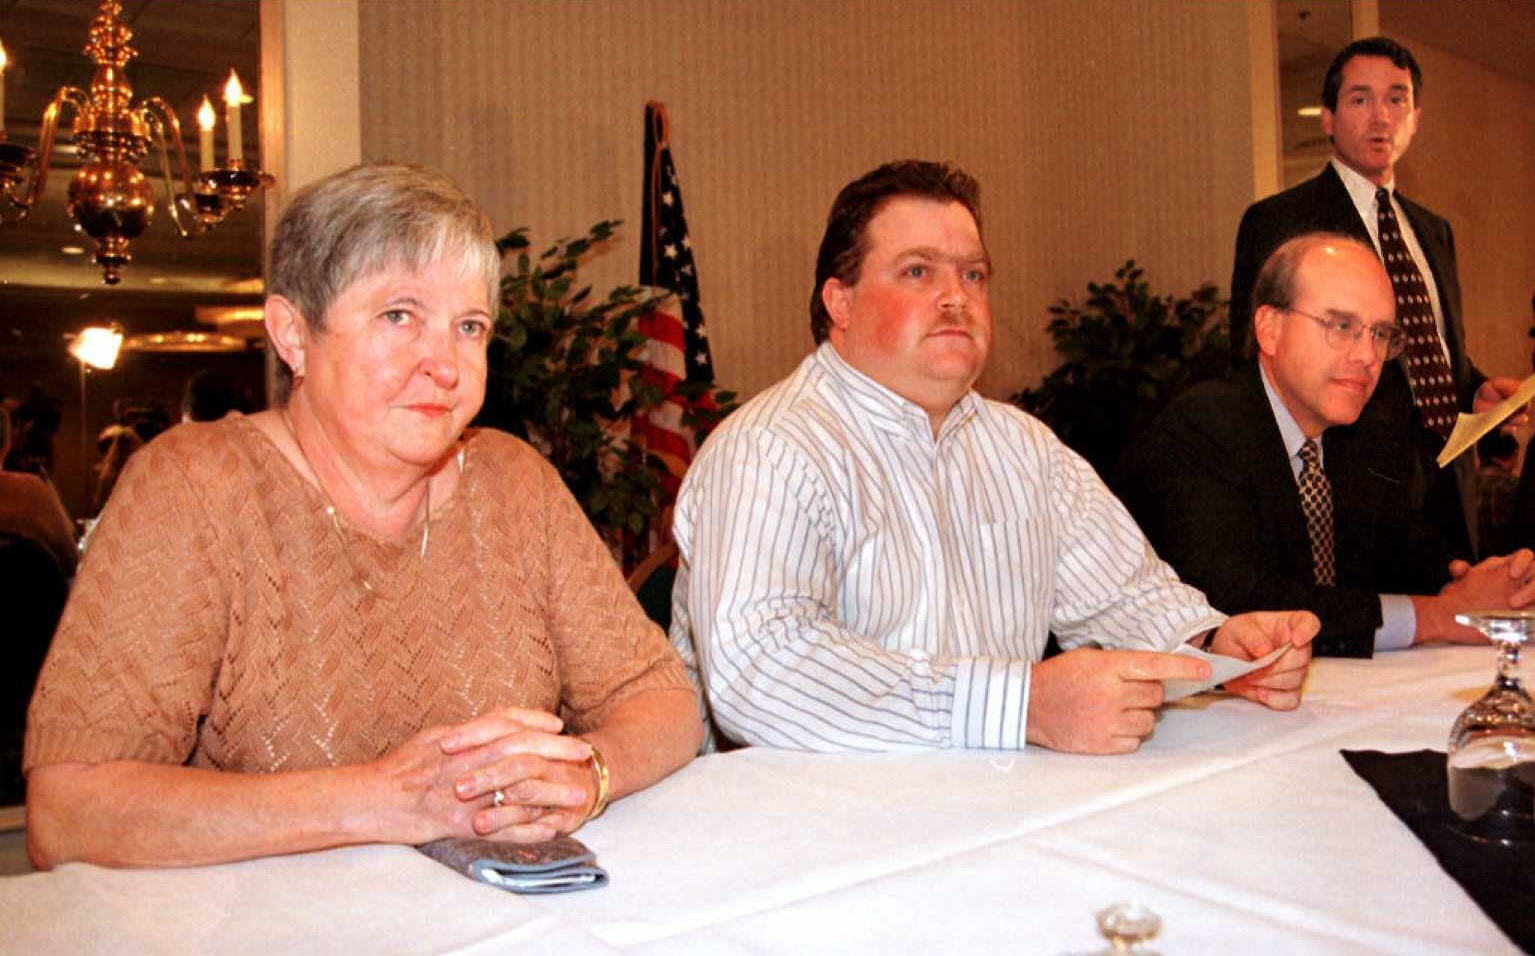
(561, 865)
(1501, 879)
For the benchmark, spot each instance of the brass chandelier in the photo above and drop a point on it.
(111, 200)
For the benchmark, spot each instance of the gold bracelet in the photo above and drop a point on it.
(600, 768)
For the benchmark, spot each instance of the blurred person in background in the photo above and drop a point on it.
(30, 508)
(210, 396)
(114, 446)
(1497, 485)
(34, 422)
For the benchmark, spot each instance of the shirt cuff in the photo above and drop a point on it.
(1398, 622)
(1205, 624)
(991, 703)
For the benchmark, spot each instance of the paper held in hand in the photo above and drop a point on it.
(1222, 669)
(1470, 426)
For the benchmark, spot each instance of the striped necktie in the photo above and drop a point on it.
(1428, 371)
(1316, 505)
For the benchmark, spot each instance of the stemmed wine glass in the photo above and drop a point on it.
(1491, 760)
(1128, 926)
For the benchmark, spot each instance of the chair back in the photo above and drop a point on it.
(651, 582)
(33, 589)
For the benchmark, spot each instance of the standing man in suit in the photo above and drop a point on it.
(1370, 111)
(1270, 490)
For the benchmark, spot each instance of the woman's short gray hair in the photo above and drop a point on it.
(370, 217)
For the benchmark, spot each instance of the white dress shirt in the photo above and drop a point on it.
(850, 582)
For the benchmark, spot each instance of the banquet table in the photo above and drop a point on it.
(1242, 828)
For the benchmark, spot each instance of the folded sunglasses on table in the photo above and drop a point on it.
(561, 865)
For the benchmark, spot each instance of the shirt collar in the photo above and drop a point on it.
(884, 408)
(1289, 431)
(1360, 190)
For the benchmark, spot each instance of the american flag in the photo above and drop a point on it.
(678, 346)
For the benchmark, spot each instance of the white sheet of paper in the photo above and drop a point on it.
(1222, 669)
(1471, 426)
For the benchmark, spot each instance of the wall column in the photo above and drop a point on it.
(310, 103)
(1263, 53)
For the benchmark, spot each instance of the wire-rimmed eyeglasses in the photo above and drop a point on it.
(1343, 331)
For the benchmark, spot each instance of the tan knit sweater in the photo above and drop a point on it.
(221, 619)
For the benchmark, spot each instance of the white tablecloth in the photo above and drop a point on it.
(1242, 828)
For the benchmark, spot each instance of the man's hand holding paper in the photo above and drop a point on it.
(1498, 399)
(1255, 637)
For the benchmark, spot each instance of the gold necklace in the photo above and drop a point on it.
(335, 519)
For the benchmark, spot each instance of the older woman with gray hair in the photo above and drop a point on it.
(349, 620)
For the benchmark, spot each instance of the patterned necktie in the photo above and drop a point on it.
(1433, 387)
(1316, 505)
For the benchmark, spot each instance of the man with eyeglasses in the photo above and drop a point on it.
(1279, 488)
(1370, 111)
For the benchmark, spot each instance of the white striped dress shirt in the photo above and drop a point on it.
(849, 582)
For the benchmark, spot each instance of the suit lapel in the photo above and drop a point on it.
(1354, 492)
(1273, 480)
(1336, 210)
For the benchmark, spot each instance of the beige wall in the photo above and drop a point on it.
(1100, 129)
(1471, 164)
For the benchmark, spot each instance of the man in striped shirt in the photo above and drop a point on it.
(873, 556)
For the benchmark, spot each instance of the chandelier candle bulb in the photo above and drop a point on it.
(234, 95)
(205, 119)
(2, 90)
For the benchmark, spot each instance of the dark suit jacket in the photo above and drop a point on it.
(1322, 203)
(1210, 484)
(1521, 530)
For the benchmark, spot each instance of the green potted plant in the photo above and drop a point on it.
(1125, 354)
(566, 375)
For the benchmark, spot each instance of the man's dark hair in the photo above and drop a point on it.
(1399, 55)
(33, 424)
(846, 240)
(209, 396)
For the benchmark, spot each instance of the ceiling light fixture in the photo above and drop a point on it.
(198, 342)
(109, 198)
